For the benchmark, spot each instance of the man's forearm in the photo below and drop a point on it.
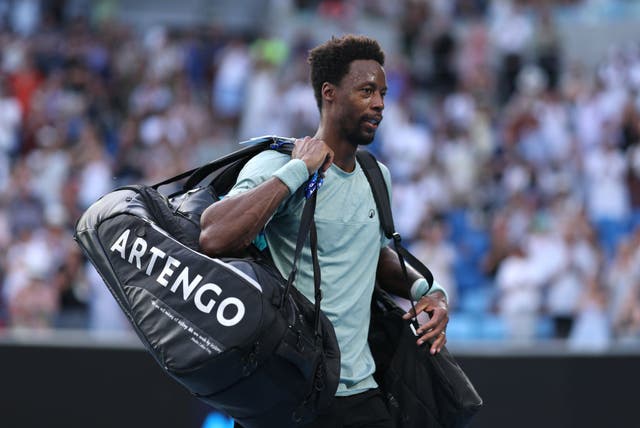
(390, 275)
(229, 226)
(391, 278)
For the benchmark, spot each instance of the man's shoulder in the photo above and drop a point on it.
(266, 161)
(259, 169)
(270, 155)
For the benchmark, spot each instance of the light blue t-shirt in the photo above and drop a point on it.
(349, 242)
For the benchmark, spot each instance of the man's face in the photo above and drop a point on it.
(360, 101)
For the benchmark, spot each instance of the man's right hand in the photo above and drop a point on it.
(314, 152)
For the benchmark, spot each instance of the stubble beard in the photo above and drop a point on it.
(358, 137)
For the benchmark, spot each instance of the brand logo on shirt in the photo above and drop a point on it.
(372, 213)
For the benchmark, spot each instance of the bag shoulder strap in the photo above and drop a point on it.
(369, 165)
(253, 147)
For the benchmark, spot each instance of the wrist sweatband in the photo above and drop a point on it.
(293, 174)
(419, 288)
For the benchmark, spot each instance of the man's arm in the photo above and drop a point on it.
(391, 278)
(229, 226)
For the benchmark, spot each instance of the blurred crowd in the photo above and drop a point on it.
(516, 174)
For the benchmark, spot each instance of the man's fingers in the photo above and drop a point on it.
(438, 338)
(437, 344)
(434, 329)
(327, 161)
(409, 314)
(314, 152)
(430, 325)
(419, 308)
(431, 334)
(437, 318)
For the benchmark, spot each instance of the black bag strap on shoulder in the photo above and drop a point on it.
(253, 147)
(307, 229)
(306, 223)
(372, 171)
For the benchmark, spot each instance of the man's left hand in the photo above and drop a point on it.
(436, 306)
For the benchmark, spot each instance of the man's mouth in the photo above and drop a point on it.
(374, 121)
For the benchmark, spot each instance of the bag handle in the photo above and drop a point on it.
(257, 145)
(283, 145)
(307, 228)
(304, 230)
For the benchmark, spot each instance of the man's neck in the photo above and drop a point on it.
(344, 152)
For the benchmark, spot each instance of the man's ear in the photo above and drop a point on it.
(328, 91)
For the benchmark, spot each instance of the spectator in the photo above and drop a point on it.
(30, 296)
(259, 117)
(579, 262)
(622, 275)
(230, 80)
(10, 120)
(627, 321)
(105, 316)
(511, 32)
(431, 245)
(592, 328)
(547, 47)
(520, 296)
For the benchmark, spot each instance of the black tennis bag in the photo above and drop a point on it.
(234, 332)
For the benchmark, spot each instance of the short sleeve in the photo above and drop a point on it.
(257, 170)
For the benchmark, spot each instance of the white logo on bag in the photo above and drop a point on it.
(140, 250)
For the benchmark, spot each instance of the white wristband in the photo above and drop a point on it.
(293, 174)
(419, 288)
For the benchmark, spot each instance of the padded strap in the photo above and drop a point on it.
(207, 169)
(307, 228)
(313, 237)
(196, 175)
(372, 171)
(281, 144)
(305, 225)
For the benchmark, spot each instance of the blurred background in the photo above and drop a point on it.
(512, 132)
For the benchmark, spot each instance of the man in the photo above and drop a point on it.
(349, 83)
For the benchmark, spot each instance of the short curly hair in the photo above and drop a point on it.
(329, 62)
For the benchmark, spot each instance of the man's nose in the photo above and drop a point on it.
(378, 102)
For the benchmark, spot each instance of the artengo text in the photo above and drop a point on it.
(140, 253)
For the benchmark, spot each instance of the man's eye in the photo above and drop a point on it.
(367, 91)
